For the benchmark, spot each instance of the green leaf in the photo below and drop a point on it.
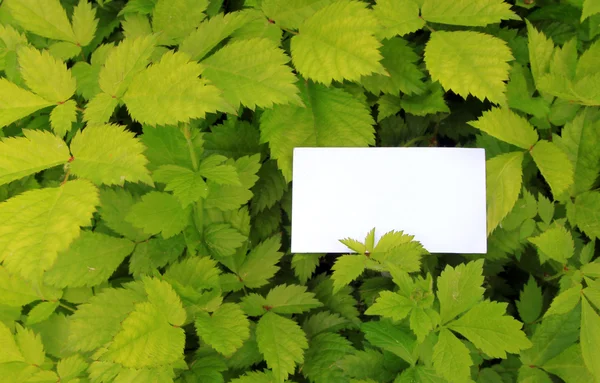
(225, 329)
(459, 289)
(166, 146)
(590, 338)
(93, 325)
(45, 75)
(188, 186)
(507, 126)
(45, 18)
(30, 345)
(62, 117)
(451, 358)
(180, 95)
(533, 375)
(211, 32)
(114, 207)
(467, 13)
(159, 212)
(391, 338)
(122, 63)
(212, 169)
(281, 353)
(530, 302)
(252, 73)
(71, 367)
(256, 377)
(291, 14)
(420, 374)
(590, 7)
(490, 330)
(188, 13)
(322, 358)
(270, 187)
(541, 50)
(430, 102)
(109, 154)
(100, 109)
(554, 166)
(587, 213)
(346, 269)
(565, 301)
(84, 23)
(579, 140)
(230, 197)
(391, 305)
(291, 299)
(15, 291)
(569, 366)
(469, 63)
(41, 312)
(146, 339)
(259, 265)
(222, 239)
(323, 321)
(22, 156)
(90, 260)
(504, 174)
(423, 321)
(551, 337)
(545, 209)
(402, 73)
(16, 103)
(10, 350)
(397, 17)
(317, 124)
(37, 224)
(319, 49)
(555, 243)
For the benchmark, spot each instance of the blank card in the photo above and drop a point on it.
(435, 194)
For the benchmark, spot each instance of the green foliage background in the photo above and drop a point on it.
(145, 169)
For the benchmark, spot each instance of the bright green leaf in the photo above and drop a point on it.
(467, 13)
(62, 117)
(507, 126)
(459, 289)
(469, 63)
(84, 23)
(319, 49)
(397, 17)
(554, 166)
(45, 75)
(159, 213)
(22, 156)
(555, 243)
(590, 338)
(46, 18)
(504, 174)
(225, 329)
(451, 358)
(109, 154)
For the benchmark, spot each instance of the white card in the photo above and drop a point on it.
(435, 194)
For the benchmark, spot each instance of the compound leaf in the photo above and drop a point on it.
(346, 269)
(62, 117)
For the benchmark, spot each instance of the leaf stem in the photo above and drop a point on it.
(64, 306)
(190, 144)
